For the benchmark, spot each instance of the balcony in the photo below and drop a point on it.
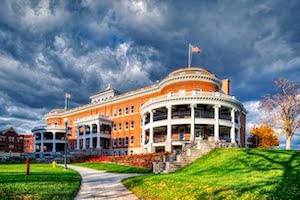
(160, 117)
(181, 114)
(225, 117)
(204, 114)
(161, 138)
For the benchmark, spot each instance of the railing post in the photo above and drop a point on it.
(27, 166)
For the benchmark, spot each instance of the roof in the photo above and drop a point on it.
(191, 70)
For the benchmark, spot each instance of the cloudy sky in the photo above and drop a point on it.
(51, 47)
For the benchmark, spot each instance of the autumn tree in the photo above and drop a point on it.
(283, 109)
(263, 137)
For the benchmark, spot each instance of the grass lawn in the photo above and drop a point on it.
(44, 182)
(230, 173)
(113, 167)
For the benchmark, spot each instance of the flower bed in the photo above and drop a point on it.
(138, 160)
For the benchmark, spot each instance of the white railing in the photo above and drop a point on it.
(53, 126)
(187, 94)
(91, 117)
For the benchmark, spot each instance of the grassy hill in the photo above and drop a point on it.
(230, 173)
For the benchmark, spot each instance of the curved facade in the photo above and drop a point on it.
(189, 104)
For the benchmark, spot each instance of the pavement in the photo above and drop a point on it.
(102, 185)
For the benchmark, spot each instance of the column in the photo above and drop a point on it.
(98, 134)
(34, 142)
(192, 137)
(168, 147)
(42, 142)
(216, 128)
(53, 142)
(78, 140)
(91, 136)
(169, 126)
(232, 130)
(151, 127)
(84, 137)
(239, 129)
(144, 132)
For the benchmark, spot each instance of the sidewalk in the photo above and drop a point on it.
(102, 185)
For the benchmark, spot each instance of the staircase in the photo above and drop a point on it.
(189, 153)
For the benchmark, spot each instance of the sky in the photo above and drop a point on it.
(51, 47)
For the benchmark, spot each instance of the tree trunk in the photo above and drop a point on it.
(288, 142)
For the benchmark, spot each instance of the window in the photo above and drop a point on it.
(141, 104)
(131, 139)
(141, 139)
(141, 125)
(181, 91)
(114, 127)
(120, 126)
(131, 124)
(11, 146)
(115, 142)
(126, 110)
(198, 91)
(126, 141)
(119, 141)
(132, 109)
(126, 125)
(70, 122)
(55, 123)
(120, 111)
(115, 113)
(107, 114)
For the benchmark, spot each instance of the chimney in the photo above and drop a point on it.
(226, 86)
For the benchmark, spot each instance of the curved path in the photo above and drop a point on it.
(102, 185)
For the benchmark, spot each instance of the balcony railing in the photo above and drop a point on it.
(161, 138)
(204, 114)
(160, 117)
(226, 117)
(181, 114)
(180, 137)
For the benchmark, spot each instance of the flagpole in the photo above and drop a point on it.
(65, 101)
(189, 65)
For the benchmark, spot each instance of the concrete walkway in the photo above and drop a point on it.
(102, 185)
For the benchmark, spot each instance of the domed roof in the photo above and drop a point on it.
(191, 70)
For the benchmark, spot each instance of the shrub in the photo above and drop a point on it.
(138, 160)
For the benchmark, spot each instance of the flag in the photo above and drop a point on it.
(195, 49)
(68, 95)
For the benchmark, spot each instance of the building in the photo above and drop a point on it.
(187, 105)
(28, 144)
(11, 143)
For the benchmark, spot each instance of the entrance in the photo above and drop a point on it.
(199, 133)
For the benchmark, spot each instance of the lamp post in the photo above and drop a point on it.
(65, 160)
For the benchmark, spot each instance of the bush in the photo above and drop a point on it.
(138, 160)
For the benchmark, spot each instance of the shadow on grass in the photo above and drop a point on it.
(289, 185)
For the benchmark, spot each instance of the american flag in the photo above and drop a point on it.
(195, 49)
(68, 95)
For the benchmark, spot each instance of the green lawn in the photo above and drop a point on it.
(113, 167)
(42, 183)
(227, 174)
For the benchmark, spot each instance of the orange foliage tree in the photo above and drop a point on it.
(263, 137)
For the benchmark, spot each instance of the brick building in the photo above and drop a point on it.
(11, 141)
(28, 144)
(187, 105)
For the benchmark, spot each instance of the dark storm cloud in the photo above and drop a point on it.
(52, 47)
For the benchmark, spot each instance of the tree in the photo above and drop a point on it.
(263, 137)
(283, 108)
